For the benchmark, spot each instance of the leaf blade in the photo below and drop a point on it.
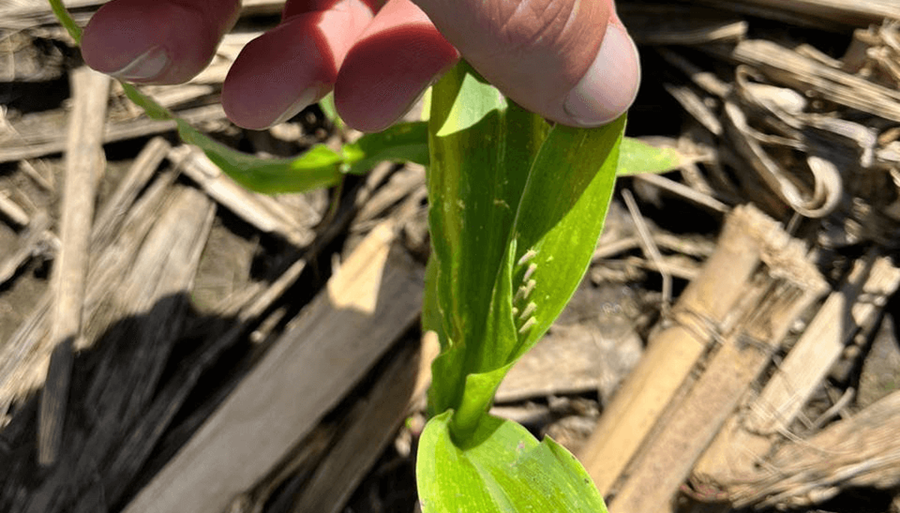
(405, 142)
(65, 19)
(557, 225)
(637, 157)
(319, 167)
(560, 219)
(481, 148)
(502, 469)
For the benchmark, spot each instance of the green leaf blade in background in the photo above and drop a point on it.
(329, 109)
(319, 167)
(152, 109)
(502, 468)
(404, 142)
(66, 20)
(637, 157)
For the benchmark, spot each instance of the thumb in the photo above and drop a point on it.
(571, 61)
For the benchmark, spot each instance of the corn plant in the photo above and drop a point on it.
(515, 210)
(516, 207)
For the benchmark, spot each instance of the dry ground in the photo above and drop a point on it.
(753, 363)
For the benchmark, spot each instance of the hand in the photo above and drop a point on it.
(571, 61)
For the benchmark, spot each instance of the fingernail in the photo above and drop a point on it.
(307, 98)
(611, 82)
(146, 66)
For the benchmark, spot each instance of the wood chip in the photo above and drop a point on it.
(672, 353)
(24, 357)
(260, 211)
(785, 66)
(769, 305)
(837, 13)
(84, 160)
(336, 478)
(30, 244)
(706, 80)
(751, 434)
(400, 185)
(863, 451)
(373, 299)
(149, 305)
(12, 212)
(827, 188)
(683, 191)
(673, 24)
(695, 105)
(46, 139)
(113, 212)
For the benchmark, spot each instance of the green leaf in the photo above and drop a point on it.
(480, 151)
(65, 19)
(637, 157)
(559, 222)
(151, 108)
(516, 211)
(500, 180)
(405, 142)
(432, 319)
(318, 167)
(330, 111)
(501, 468)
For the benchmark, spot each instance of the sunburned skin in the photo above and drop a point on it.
(571, 61)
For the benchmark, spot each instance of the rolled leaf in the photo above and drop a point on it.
(516, 211)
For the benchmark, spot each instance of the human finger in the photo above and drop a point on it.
(570, 60)
(293, 65)
(156, 41)
(391, 64)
